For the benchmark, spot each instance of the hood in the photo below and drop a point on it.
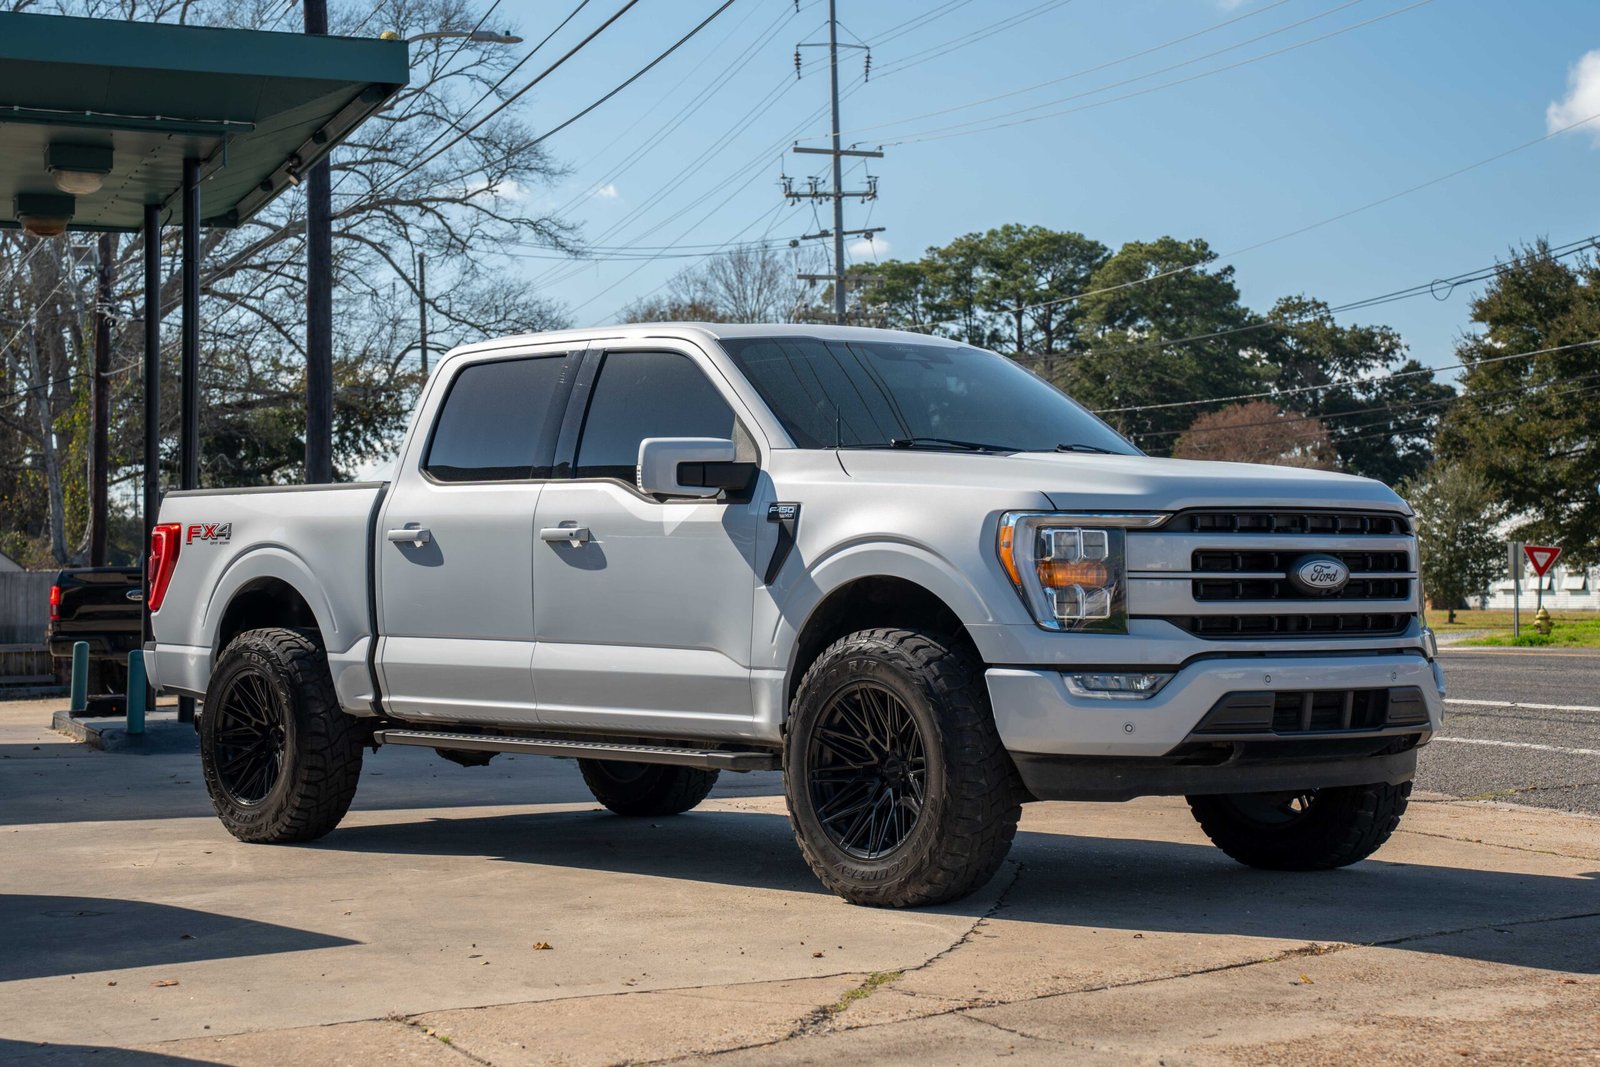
(1086, 481)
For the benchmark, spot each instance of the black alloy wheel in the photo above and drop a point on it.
(250, 738)
(867, 770)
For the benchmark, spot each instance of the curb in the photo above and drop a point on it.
(164, 734)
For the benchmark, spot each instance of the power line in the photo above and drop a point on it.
(973, 37)
(635, 76)
(1272, 393)
(1145, 280)
(987, 124)
(1429, 288)
(1112, 63)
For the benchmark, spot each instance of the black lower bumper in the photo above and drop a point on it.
(1247, 769)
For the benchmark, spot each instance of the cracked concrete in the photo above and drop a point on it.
(1115, 934)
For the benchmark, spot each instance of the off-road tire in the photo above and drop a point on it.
(971, 794)
(320, 760)
(646, 789)
(1339, 827)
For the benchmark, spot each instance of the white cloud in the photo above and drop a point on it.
(1582, 100)
(608, 191)
(862, 250)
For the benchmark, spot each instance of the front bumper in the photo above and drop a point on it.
(1037, 715)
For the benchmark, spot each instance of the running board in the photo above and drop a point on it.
(709, 758)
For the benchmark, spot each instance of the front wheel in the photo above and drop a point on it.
(281, 759)
(1307, 830)
(899, 789)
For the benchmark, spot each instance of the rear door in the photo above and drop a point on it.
(455, 542)
(644, 622)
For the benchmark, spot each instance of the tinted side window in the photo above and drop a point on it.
(498, 421)
(646, 394)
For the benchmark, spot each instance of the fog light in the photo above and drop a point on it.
(1119, 685)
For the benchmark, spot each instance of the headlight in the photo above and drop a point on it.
(1069, 569)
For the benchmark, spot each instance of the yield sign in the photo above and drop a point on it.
(1542, 557)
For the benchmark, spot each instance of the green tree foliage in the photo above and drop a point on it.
(1147, 294)
(1456, 516)
(1531, 426)
(1381, 424)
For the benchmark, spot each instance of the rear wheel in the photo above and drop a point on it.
(281, 759)
(899, 789)
(1306, 830)
(646, 789)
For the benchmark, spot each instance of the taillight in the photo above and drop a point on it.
(164, 540)
(55, 603)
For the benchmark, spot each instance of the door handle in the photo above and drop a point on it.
(574, 534)
(415, 536)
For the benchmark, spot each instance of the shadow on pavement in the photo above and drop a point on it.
(1092, 882)
(100, 1055)
(52, 935)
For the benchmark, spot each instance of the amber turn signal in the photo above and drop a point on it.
(1089, 573)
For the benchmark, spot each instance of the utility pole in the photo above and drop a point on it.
(422, 307)
(319, 298)
(838, 193)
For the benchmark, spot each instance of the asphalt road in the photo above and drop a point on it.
(1523, 726)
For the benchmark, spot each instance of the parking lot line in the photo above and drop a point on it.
(1520, 744)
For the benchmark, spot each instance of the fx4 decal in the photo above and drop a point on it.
(214, 532)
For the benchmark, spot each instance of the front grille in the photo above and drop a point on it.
(1264, 521)
(1223, 627)
(1315, 711)
(1223, 562)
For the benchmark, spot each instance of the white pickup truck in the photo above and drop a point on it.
(913, 576)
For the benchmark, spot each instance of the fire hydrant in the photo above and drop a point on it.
(1541, 622)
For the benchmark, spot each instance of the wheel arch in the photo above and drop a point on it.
(866, 602)
(273, 587)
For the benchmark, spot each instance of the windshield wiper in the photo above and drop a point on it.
(946, 442)
(1086, 448)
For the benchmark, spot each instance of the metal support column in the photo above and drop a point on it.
(189, 399)
(319, 298)
(152, 399)
(422, 308)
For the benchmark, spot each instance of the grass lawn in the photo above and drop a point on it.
(1573, 629)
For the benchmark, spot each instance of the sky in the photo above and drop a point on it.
(1275, 157)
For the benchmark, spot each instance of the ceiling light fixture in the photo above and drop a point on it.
(79, 169)
(43, 214)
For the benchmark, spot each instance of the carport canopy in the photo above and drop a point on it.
(98, 115)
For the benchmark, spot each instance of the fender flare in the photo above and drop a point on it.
(276, 561)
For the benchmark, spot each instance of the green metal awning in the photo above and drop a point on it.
(256, 108)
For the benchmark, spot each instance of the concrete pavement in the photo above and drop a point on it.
(1114, 934)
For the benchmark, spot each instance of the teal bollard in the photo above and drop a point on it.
(137, 688)
(80, 677)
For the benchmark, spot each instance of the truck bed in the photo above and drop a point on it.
(313, 542)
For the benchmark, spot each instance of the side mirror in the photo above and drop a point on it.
(691, 466)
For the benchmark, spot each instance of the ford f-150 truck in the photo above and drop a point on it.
(915, 577)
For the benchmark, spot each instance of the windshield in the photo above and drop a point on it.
(895, 394)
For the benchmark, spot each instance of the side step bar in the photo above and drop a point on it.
(708, 758)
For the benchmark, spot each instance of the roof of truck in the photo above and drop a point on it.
(696, 331)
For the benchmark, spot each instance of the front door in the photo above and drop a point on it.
(455, 544)
(643, 623)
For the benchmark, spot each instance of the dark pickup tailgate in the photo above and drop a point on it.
(100, 605)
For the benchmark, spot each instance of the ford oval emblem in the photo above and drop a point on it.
(1319, 574)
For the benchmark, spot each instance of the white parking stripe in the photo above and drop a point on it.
(1522, 704)
(1520, 744)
